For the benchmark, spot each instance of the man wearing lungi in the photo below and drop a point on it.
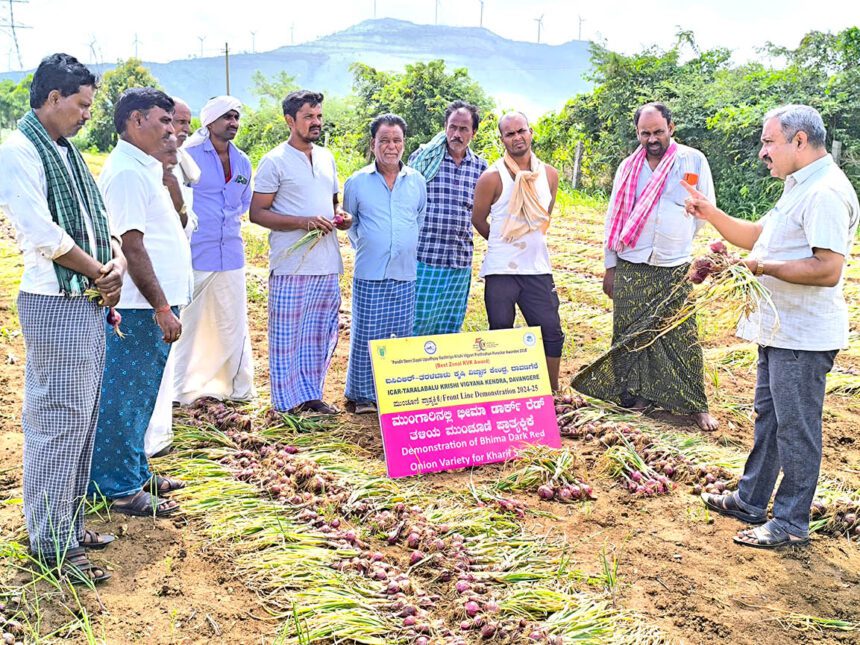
(648, 243)
(451, 170)
(513, 204)
(213, 358)
(798, 250)
(66, 240)
(387, 200)
(295, 192)
(158, 283)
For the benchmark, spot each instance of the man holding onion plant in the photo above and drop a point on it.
(798, 251)
(295, 197)
(69, 250)
(647, 247)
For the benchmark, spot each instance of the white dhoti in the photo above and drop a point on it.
(159, 432)
(213, 355)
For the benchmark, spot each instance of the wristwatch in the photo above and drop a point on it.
(759, 268)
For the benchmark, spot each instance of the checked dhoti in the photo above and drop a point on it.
(380, 309)
(65, 341)
(441, 295)
(303, 325)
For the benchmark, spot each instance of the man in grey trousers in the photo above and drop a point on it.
(799, 249)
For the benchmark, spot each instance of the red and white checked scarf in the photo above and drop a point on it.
(628, 219)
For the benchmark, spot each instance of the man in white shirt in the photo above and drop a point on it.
(648, 247)
(798, 250)
(65, 236)
(159, 281)
(295, 192)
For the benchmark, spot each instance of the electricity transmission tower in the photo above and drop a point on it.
(11, 26)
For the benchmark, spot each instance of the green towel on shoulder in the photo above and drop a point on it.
(65, 194)
(428, 157)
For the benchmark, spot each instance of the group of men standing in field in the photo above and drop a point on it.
(158, 241)
(411, 227)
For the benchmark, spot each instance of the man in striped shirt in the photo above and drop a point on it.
(451, 170)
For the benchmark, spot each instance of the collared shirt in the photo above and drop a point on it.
(303, 187)
(446, 237)
(818, 210)
(24, 198)
(667, 237)
(136, 200)
(385, 223)
(217, 243)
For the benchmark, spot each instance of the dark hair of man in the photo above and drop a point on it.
(463, 105)
(59, 72)
(662, 109)
(387, 119)
(295, 100)
(140, 99)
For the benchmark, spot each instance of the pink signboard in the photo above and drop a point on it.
(461, 400)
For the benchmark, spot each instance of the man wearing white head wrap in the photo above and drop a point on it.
(214, 109)
(214, 357)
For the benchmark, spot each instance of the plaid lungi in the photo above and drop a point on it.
(65, 343)
(134, 366)
(667, 370)
(380, 309)
(441, 294)
(303, 322)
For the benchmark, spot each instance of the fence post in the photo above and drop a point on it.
(577, 165)
(836, 151)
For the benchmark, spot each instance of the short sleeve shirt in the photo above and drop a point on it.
(303, 187)
(818, 209)
(135, 198)
(385, 222)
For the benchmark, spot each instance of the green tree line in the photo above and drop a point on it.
(718, 108)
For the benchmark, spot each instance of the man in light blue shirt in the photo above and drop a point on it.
(213, 358)
(387, 201)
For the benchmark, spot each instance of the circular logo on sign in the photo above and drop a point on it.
(430, 347)
(529, 339)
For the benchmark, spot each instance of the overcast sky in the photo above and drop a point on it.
(106, 29)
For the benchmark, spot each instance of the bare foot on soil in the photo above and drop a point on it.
(705, 421)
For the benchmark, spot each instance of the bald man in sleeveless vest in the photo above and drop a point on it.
(513, 204)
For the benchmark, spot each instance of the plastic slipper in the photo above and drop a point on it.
(145, 505)
(76, 568)
(163, 485)
(727, 505)
(94, 540)
(768, 536)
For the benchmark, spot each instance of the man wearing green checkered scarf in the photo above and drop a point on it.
(73, 269)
